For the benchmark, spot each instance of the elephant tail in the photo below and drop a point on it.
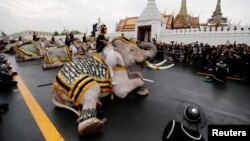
(61, 105)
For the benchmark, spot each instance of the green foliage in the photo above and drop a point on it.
(66, 31)
(56, 33)
(75, 32)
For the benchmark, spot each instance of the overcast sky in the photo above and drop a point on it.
(54, 15)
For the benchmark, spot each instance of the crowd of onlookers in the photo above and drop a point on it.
(6, 79)
(205, 56)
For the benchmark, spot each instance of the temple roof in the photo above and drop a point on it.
(128, 24)
(183, 19)
(150, 13)
(217, 19)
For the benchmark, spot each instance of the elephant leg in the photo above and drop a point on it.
(140, 88)
(123, 89)
(143, 91)
(88, 123)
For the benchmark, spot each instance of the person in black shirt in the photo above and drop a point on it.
(71, 35)
(20, 38)
(191, 120)
(84, 39)
(94, 30)
(35, 38)
(53, 41)
(67, 40)
(221, 72)
(101, 40)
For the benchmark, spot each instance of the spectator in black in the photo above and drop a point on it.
(221, 72)
(71, 35)
(191, 120)
(94, 30)
(53, 41)
(20, 38)
(154, 41)
(246, 70)
(67, 40)
(101, 40)
(84, 38)
(6, 75)
(35, 38)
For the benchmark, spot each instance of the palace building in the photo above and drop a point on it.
(182, 20)
(182, 27)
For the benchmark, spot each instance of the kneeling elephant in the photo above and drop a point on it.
(83, 81)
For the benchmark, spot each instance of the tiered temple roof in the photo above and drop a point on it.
(217, 19)
(183, 19)
(128, 24)
(151, 12)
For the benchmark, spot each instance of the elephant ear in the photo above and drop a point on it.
(120, 41)
(117, 43)
(112, 57)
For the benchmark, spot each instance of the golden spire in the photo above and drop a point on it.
(218, 8)
(183, 7)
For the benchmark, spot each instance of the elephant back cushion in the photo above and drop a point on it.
(31, 49)
(55, 54)
(76, 77)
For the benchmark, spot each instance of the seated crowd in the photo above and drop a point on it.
(205, 56)
(6, 79)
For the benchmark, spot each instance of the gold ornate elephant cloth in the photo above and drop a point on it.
(76, 77)
(31, 50)
(55, 54)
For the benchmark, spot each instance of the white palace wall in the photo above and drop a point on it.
(210, 36)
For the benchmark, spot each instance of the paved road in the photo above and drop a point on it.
(133, 118)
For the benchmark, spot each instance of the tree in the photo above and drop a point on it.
(55, 33)
(75, 32)
(64, 32)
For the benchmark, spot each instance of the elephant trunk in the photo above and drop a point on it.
(149, 50)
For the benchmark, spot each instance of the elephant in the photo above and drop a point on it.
(28, 50)
(82, 82)
(60, 55)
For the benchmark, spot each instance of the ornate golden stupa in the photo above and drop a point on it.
(184, 20)
(217, 19)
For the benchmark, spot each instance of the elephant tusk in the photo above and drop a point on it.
(144, 79)
(160, 68)
(162, 62)
(158, 64)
